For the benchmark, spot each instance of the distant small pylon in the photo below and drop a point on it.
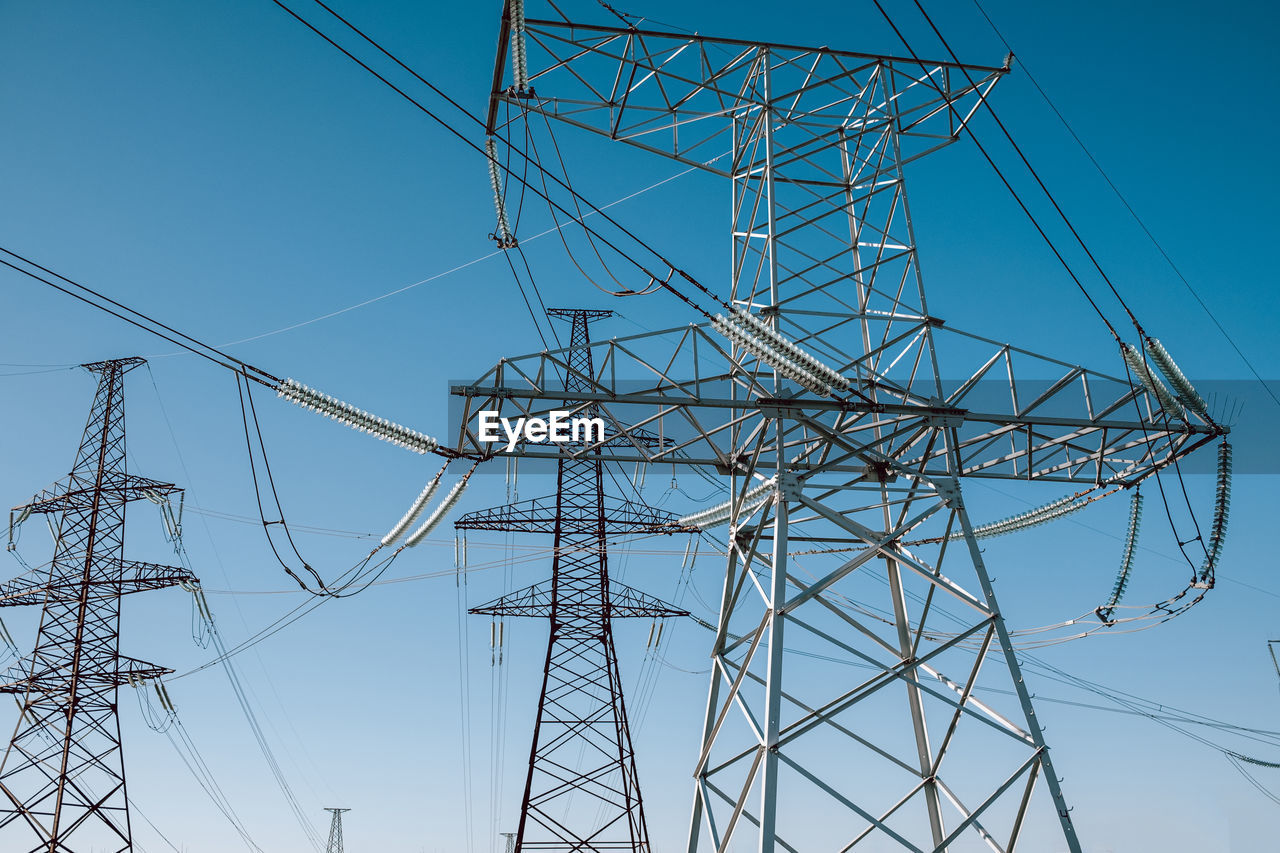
(335, 831)
(511, 841)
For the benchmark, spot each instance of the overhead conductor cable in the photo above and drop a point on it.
(1031, 518)
(358, 419)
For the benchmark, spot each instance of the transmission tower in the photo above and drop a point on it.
(846, 417)
(581, 792)
(335, 831)
(62, 776)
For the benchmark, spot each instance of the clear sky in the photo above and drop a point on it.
(223, 169)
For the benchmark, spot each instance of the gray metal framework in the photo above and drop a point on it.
(582, 791)
(865, 692)
(335, 831)
(62, 776)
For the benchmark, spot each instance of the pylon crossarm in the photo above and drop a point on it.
(78, 492)
(134, 577)
(675, 94)
(1076, 427)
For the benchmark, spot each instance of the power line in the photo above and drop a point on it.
(1129, 207)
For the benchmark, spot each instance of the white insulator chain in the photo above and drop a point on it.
(720, 513)
(1157, 389)
(787, 365)
(358, 419)
(415, 510)
(439, 514)
(1221, 510)
(519, 52)
(1126, 559)
(15, 522)
(503, 235)
(1182, 386)
(829, 375)
(1031, 518)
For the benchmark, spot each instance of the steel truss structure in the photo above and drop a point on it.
(865, 692)
(582, 792)
(335, 831)
(62, 776)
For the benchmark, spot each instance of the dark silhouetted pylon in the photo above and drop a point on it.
(62, 780)
(335, 831)
(581, 793)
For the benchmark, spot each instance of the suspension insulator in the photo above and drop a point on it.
(519, 51)
(503, 236)
(1031, 518)
(1221, 509)
(415, 510)
(832, 377)
(1186, 392)
(786, 365)
(1126, 559)
(438, 515)
(357, 419)
(1156, 388)
(721, 513)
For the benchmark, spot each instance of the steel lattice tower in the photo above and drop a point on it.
(62, 776)
(581, 792)
(846, 417)
(335, 831)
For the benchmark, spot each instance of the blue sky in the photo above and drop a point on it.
(221, 168)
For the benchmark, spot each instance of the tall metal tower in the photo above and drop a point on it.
(335, 831)
(581, 792)
(864, 689)
(62, 776)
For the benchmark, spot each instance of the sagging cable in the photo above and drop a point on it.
(357, 419)
(720, 513)
(519, 51)
(440, 512)
(1218, 529)
(415, 510)
(1138, 366)
(503, 236)
(1182, 386)
(1126, 560)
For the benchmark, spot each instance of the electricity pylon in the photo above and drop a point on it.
(62, 776)
(581, 793)
(335, 831)
(845, 708)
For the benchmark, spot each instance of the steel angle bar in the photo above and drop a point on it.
(995, 795)
(968, 816)
(877, 823)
